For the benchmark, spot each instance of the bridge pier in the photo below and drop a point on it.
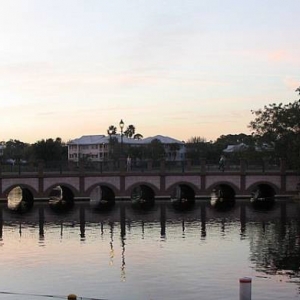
(243, 177)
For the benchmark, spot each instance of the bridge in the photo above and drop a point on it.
(121, 183)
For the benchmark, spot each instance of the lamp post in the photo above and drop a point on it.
(110, 132)
(121, 124)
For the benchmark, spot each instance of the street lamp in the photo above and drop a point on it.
(121, 124)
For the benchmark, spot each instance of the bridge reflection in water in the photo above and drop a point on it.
(181, 244)
(162, 212)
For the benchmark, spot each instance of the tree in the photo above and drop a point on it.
(137, 136)
(198, 148)
(114, 148)
(173, 149)
(155, 150)
(15, 149)
(112, 130)
(136, 152)
(130, 131)
(235, 139)
(279, 124)
(50, 150)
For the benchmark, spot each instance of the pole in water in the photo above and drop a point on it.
(245, 288)
(72, 297)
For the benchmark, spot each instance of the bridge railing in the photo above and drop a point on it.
(109, 166)
(19, 168)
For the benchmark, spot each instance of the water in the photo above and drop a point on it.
(160, 254)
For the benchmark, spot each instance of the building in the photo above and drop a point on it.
(236, 148)
(97, 147)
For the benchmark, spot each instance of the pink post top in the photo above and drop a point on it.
(245, 280)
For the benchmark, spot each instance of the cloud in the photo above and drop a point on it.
(278, 56)
(291, 82)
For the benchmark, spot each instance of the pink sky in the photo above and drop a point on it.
(171, 68)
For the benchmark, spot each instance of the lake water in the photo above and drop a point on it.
(151, 255)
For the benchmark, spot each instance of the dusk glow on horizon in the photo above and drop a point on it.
(175, 68)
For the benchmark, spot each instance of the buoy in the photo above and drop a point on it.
(72, 297)
(245, 288)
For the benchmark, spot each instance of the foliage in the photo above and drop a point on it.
(279, 124)
(114, 148)
(155, 150)
(275, 124)
(50, 150)
(137, 152)
(196, 140)
(112, 130)
(173, 150)
(197, 148)
(276, 121)
(235, 139)
(130, 131)
(137, 136)
(17, 150)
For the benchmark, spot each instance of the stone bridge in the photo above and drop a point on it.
(162, 182)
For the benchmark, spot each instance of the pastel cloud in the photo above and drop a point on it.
(278, 55)
(292, 82)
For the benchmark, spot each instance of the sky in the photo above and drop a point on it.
(177, 68)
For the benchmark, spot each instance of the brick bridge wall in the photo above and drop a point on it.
(243, 183)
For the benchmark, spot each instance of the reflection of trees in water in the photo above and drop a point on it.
(275, 248)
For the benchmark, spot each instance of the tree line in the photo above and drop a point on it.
(50, 149)
(275, 134)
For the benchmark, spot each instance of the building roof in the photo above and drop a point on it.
(236, 148)
(162, 139)
(102, 139)
(89, 140)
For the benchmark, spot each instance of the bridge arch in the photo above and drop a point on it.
(184, 183)
(33, 191)
(74, 191)
(104, 184)
(130, 189)
(267, 184)
(223, 183)
(20, 199)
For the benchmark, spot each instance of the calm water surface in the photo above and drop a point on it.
(159, 254)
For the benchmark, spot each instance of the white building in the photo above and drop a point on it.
(96, 147)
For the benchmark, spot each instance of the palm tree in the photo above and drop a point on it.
(137, 136)
(130, 131)
(112, 130)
